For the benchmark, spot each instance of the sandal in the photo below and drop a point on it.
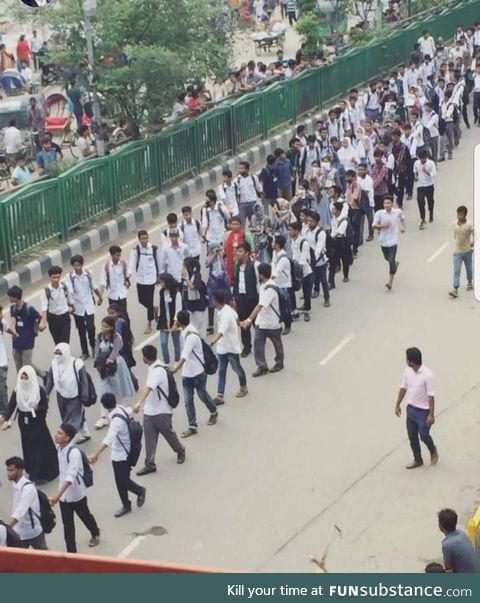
(219, 400)
(189, 432)
(147, 331)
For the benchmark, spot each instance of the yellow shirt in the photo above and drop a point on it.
(462, 234)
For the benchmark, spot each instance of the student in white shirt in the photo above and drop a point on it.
(194, 377)
(229, 346)
(72, 491)
(82, 287)
(425, 172)
(157, 413)
(387, 222)
(427, 44)
(342, 246)
(83, 142)
(282, 275)
(12, 139)
(26, 507)
(228, 193)
(430, 121)
(301, 253)
(172, 257)
(267, 323)
(118, 440)
(144, 263)
(56, 307)
(214, 216)
(114, 278)
(476, 95)
(191, 230)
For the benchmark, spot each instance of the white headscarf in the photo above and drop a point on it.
(27, 390)
(347, 154)
(64, 377)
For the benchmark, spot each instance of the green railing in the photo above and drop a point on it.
(52, 208)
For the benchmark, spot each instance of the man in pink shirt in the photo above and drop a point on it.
(417, 390)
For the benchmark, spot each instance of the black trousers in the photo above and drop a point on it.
(121, 302)
(390, 254)
(425, 193)
(343, 254)
(145, 298)
(401, 187)
(121, 471)
(409, 178)
(59, 326)
(245, 306)
(68, 510)
(85, 326)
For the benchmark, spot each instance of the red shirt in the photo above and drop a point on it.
(23, 51)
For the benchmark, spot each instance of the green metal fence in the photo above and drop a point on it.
(52, 208)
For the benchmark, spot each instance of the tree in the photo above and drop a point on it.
(146, 50)
(309, 27)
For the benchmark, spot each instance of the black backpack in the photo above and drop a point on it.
(87, 469)
(284, 311)
(296, 270)
(47, 517)
(92, 393)
(210, 363)
(349, 236)
(135, 431)
(173, 397)
(13, 539)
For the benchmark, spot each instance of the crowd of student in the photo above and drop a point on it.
(269, 241)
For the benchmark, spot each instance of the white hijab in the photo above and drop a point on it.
(64, 377)
(27, 390)
(347, 154)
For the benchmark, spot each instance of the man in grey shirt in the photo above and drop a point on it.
(459, 556)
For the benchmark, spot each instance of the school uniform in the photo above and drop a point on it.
(56, 303)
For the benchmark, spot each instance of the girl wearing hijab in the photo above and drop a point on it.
(31, 403)
(364, 147)
(69, 378)
(122, 327)
(348, 156)
(195, 294)
(261, 229)
(113, 373)
(217, 281)
(170, 304)
(282, 217)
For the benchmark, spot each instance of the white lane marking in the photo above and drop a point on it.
(126, 247)
(437, 253)
(336, 350)
(131, 547)
(152, 337)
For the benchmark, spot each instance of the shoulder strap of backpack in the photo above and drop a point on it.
(196, 355)
(278, 295)
(72, 279)
(48, 294)
(137, 249)
(199, 226)
(159, 389)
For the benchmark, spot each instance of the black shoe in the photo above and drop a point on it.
(261, 370)
(276, 369)
(85, 356)
(141, 498)
(181, 457)
(286, 331)
(246, 352)
(123, 511)
(345, 279)
(210, 331)
(315, 294)
(331, 286)
(146, 471)
(370, 238)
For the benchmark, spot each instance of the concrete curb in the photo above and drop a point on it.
(143, 214)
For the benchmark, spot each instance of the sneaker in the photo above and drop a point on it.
(123, 511)
(286, 331)
(326, 304)
(101, 423)
(246, 352)
(306, 317)
(94, 541)
(345, 279)
(219, 400)
(295, 316)
(453, 294)
(146, 471)
(331, 286)
(213, 418)
(242, 392)
(430, 220)
(276, 368)
(409, 197)
(83, 439)
(469, 287)
(422, 225)
(181, 457)
(261, 370)
(85, 356)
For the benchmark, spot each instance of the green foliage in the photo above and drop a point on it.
(59, 167)
(307, 6)
(309, 27)
(146, 50)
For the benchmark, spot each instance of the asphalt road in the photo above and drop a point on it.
(318, 444)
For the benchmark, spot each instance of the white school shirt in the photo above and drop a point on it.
(12, 138)
(227, 325)
(213, 222)
(70, 466)
(118, 433)
(36, 44)
(228, 195)
(192, 352)
(191, 236)
(172, 258)
(248, 187)
(156, 403)
(25, 498)
(117, 274)
(366, 184)
(419, 386)
(81, 292)
(388, 237)
(430, 121)
(3, 350)
(427, 46)
(281, 269)
(268, 317)
(58, 301)
(424, 179)
(301, 254)
(147, 270)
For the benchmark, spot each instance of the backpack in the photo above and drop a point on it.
(89, 277)
(210, 363)
(92, 393)
(197, 224)
(135, 432)
(426, 135)
(47, 517)
(296, 270)
(173, 397)
(14, 313)
(13, 539)
(48, 293)
(284, 310)
(87, 469)
(154, 250)
(349, 236)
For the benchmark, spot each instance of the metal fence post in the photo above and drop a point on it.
(5, 239)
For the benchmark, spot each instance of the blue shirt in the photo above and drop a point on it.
(45, 158)
(283, 172)
(25, 318)
(267, 178)
(458, 553)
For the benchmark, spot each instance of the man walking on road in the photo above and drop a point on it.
(425, 172)
(157, 414)
(417, 389)
(56, 307)
(463, 236)
(144, 263)
(387, 222)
